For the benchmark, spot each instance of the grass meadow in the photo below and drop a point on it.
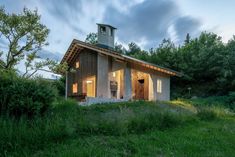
(175, 128)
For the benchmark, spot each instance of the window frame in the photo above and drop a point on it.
(103, 29)
(75, 88)
(111, 32)
(77, 64)
(159, 86)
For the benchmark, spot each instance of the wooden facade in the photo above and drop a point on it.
(140, 85)
(95, 65)
(87, 60)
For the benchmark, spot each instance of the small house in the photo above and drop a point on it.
(97, 73)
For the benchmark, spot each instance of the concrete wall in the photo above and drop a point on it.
(103, 81)
(151, 90)
(106, 38)
(127, 83)
(165, 94)
(102, 77)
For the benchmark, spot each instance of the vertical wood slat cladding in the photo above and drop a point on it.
(88, 67)
(141, 91)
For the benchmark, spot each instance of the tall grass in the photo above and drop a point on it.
(68, 120)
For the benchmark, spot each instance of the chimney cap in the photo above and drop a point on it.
(100, 24)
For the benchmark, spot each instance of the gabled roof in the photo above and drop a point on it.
(76, 46)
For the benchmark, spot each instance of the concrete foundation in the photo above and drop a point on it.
(91, 100)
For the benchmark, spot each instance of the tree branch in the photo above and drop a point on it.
(36, 70)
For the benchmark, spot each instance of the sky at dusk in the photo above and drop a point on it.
(146, 22)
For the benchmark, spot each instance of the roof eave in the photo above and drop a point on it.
(119, 56)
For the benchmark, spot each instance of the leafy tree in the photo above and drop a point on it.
(60, 85)
(133, 49)
(119, 48)
(165, 55)
(25, 36)
(92, 38)
(187, 39)
(228, 67)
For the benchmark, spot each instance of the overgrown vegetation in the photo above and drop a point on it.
(227, 101)
(101, 130)
(24, 37)
(24, 97)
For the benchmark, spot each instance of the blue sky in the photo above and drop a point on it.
(145, 22)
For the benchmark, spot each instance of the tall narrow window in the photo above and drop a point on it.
(114, 74)
(111, 32)
(75, 88)
(103, 29)
(89, 86)
(159, 86)
(77, 64)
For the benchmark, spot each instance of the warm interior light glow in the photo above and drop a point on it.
(88, 81)
(75, 88)
(89, 86)
(159, 86)
(77, 64)
(114, 74)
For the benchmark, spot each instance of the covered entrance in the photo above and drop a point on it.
(140, 85)
(89, 86)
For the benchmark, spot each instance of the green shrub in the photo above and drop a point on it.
(28, 97)
(231, 100)
(60, 86)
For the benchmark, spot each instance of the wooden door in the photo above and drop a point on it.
(140, 89)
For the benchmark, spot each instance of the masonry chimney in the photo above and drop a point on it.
(106, 34)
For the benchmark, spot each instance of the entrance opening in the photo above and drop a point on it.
(89, 86)
(116, 84)
(140, 86)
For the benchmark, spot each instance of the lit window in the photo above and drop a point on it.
(77, 64)
(90, 87)
(75, 88)
(114, 74)
(159, 86)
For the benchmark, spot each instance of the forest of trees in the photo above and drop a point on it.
(207, 64)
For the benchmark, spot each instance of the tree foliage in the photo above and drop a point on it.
(24, 97)
(25, 36)
(92, 38)
(207, 63)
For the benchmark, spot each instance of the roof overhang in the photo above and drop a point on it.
(76, 46)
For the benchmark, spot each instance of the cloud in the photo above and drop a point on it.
(145, 22)
(149, 21)
(184, 25)
(44, 54)
(65, 11)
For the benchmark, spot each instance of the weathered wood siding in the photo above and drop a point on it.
(87, 68)
(140, 92)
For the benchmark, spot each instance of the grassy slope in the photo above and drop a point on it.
(203, 139)
(132, 129)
